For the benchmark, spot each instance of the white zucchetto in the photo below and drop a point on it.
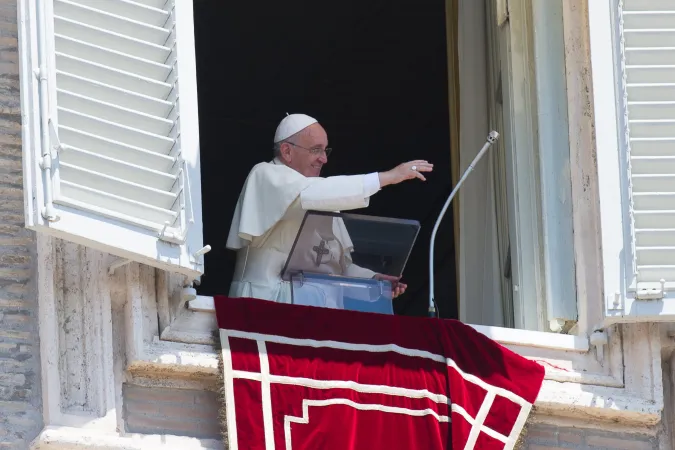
(292, 124)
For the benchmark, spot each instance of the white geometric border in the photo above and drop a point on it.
(477, 423)
(360, 406)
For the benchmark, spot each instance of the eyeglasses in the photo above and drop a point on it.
(314, 150)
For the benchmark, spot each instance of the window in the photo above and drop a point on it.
(631, 53)
(112, 150)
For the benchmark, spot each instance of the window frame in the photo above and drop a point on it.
(568, 358)
(584, 212)
(537, 187)
(598, 362)
(555, 181)
(523, 197)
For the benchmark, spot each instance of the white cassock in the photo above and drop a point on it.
(267, 218)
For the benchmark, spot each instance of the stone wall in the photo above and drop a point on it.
(183, 412)
(547, 437)
(20, 396)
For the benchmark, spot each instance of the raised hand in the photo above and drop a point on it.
(406, 171)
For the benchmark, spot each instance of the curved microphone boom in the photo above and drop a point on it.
(491, 139)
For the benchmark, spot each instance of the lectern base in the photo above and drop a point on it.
(330, 291)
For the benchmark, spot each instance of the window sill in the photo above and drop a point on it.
(505, 336)
(177, 359)
(600, 403)
(537, 339)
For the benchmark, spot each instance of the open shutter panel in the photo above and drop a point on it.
(122, 129)
(649, 52)
(632, 45)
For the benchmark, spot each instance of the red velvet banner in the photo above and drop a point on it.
(305, 378)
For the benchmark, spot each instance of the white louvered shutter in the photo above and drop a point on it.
(649, 49)
(633, 60)
(118, 115)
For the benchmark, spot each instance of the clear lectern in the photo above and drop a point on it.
(334, 256)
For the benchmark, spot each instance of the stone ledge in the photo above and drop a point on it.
(597, 403)
(66, 438)
(165, 359)
(556, 399)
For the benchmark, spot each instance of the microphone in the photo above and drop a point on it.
(491, 139)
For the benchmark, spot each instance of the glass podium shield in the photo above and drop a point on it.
(335, 255)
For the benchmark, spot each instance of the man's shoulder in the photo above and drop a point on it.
(265, 173)
(260, 169)
(266, 166)
(262, 166)
(272, 168)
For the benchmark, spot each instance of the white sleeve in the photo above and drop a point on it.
(339, 193)
(371, 184)
(352, 270)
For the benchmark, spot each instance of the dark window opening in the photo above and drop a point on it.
(373, 73)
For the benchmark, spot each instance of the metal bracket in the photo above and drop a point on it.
(652, 293)
(187, 193)
(57, 147)
(195, 257)
(188, 293)
(172, 238)
(117, 264)
(40, 74)
(46, 162)
(49, 214)
(615, 302)
(598, 339)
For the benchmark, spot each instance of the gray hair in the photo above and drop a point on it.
(277, 148)
(277, 145)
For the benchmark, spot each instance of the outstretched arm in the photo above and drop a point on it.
(341, 193)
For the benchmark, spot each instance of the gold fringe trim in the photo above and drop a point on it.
(520, 442)
(222, 412)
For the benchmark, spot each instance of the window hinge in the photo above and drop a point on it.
(49, 213)
(172, 238)
(656, 293)
(57, 147)
(46, 162)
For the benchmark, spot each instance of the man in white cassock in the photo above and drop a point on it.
(273, 202)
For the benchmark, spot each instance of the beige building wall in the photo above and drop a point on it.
(20, 393)
(116, 377)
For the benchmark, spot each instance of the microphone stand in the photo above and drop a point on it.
(491, 139)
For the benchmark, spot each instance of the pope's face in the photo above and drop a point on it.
(307, 153)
